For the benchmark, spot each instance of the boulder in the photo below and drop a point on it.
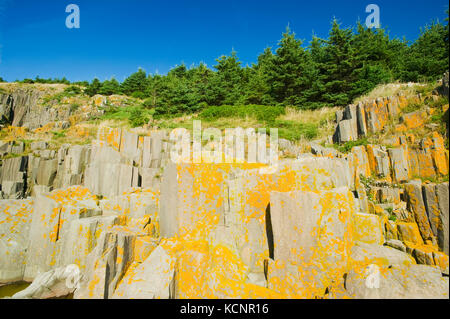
(151, 279)
(436, 204)
(398, 282)
(399, 164)
(311, 235)
(15, 220)
(13, 177)
(59, 282)
(363, 254)
(369, 228)
(397, 244)
(416, 205)
(107, 264)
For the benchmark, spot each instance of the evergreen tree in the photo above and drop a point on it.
(428, 56)
(286, 74)
(225, 86)
(340, 64)
(93, 88)
(110, 87)
(136, 82)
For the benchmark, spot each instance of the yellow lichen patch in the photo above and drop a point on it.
(44, 129)
(369, 228)
(409, 232)
(414, 120)
(13, 132)
(111, 136)
(143, 246)
(441, 260)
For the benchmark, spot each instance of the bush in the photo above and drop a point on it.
(72, 90)
(138, 95)
(347, 147)
(138, 117)
(148, 103)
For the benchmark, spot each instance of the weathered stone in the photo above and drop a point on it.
(416, 205)
(379, 161)
(414, 120)
(399, 282)
(51, 220)
(369, 228)
(390, 230)
(437, 215)
(361, 119)
(346, 131)
(426, 166)
(38, 145)
(150, 280)
(21, 108)
(442, 193)
(361, 162)
(409, 232)
(107, 264)
(129, 145)
(399, 164)
(397, 244)
(59, 282)
(47, 172)
(423, 255)
(15, 220)
(311, 232)
(104, 174)
(364, 254)
(13, 176)
(376, 115)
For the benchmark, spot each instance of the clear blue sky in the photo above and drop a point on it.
(116, 37)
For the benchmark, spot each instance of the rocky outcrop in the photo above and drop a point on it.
(366, 117)
(21, 108)
(139, 226)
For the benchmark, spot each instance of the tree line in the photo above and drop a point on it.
(325, 72)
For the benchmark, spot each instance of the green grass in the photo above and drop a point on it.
(347, 147)
(259, 112)
(294, 131)
(135, 115)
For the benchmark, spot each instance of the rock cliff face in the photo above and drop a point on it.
(21, 108)
(139, 226)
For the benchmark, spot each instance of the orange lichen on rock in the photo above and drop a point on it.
(14, 132)
(111, 136)
(45, 129)
(414, 120)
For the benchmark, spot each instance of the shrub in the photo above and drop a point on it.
(74, 107)
(138, 117)
(347, 147)
(148, 103)
(138, 95)
(72, 90)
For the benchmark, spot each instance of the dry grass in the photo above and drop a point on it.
(45, 88)
(323, 118)
(392, 89)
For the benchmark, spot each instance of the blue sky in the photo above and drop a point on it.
(116, 37)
